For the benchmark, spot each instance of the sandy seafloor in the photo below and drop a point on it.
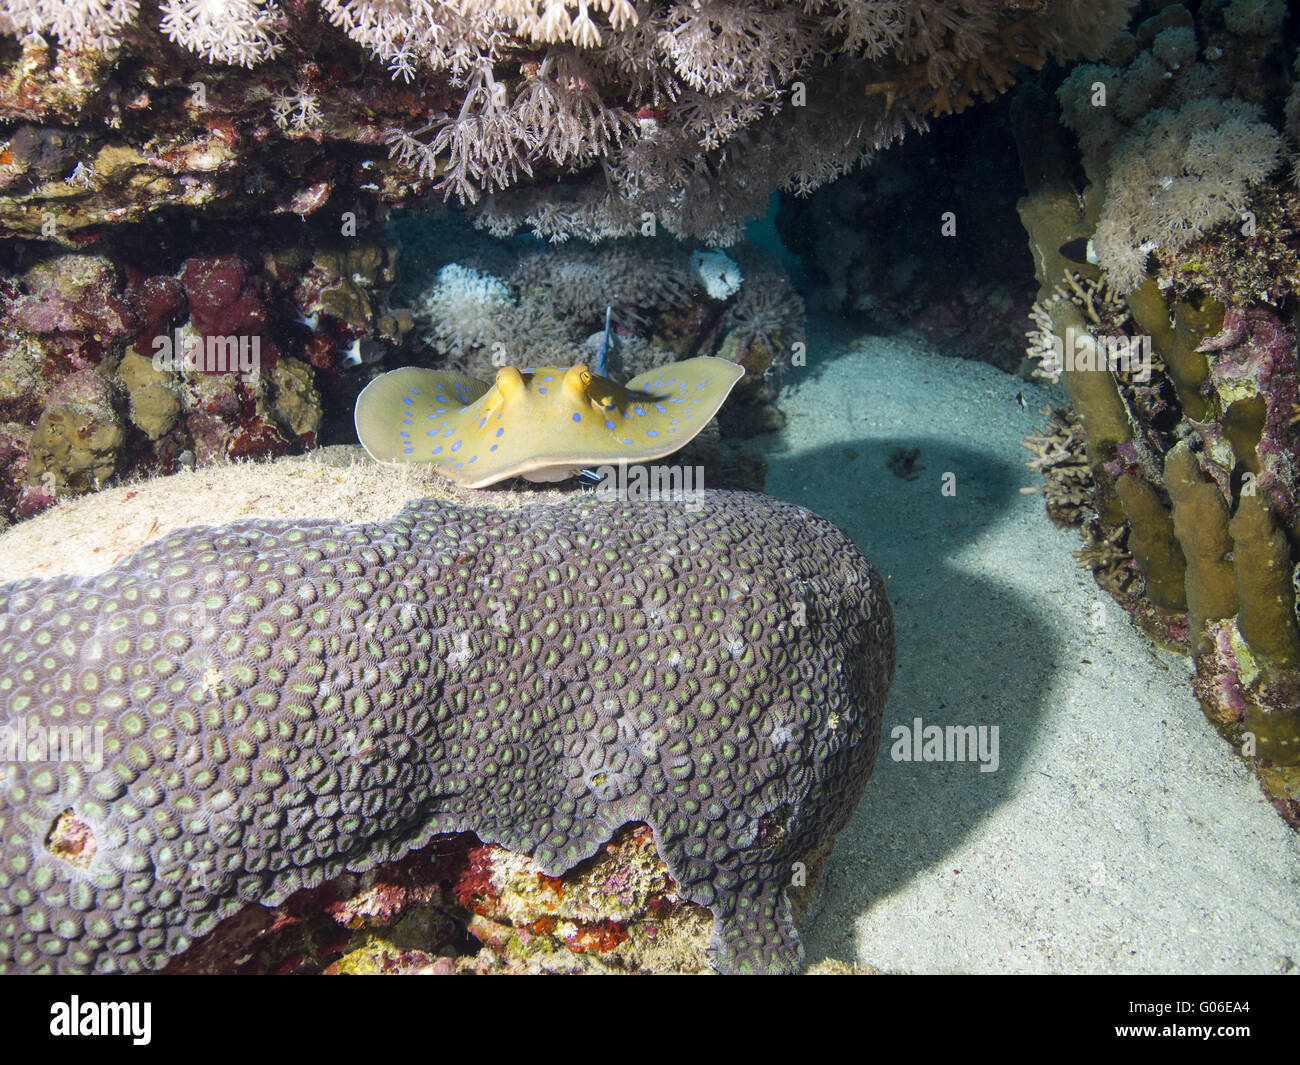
(1119, 833)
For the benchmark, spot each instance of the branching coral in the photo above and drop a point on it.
(296, 111)
(559, 101)
(1107, 557)
(549, 21)
(413, 34)
(1174, 149)
(718, 46)
(1101, 305)
(1060, 455)
(483, 147)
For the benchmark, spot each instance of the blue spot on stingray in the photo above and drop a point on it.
(674, 421)
(407, 450)
(670, 380)
(449, 431)
(493, 447)
(609, 424)
(540, 389)
(576, 416)
(651, 432)
(639, 412)
(500, 431)
(432, 432)
(441, 399)
(473, 460)
(661, 410)
(701, 385)
(674, 429)
(548, 378)
(456, 445)
(436, 450)
(627, 441)
(407, 400)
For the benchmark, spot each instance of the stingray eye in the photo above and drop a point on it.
(509, 381)
(576, 380)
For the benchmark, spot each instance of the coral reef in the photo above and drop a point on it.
(131, 136)
(261, 345)
(461, 906)
(153, 352)
(582, 119)
(1175, 150)
(280, 702)
(1167, 289)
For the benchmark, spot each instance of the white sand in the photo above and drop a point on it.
(1119, 834)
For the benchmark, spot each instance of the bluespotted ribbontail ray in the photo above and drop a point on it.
(544, 423)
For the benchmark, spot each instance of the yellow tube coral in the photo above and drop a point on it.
(1201, 524)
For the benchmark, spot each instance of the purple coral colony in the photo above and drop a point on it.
(612, 721)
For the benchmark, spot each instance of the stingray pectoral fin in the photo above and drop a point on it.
(393, 404)
(706, 379)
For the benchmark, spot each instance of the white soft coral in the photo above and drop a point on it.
(80, 24)
(240, 32)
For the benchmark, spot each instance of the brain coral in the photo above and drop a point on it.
(279, 702)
